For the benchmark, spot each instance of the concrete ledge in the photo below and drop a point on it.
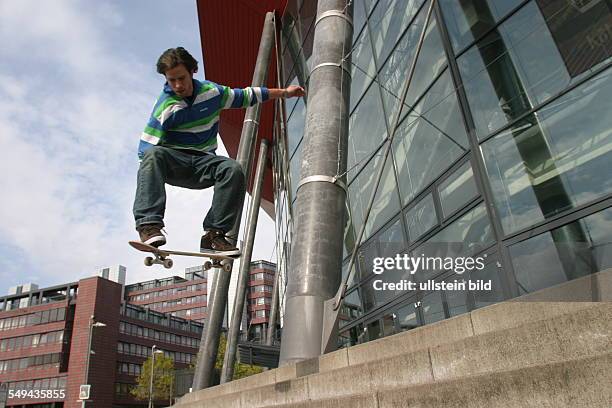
(355, 401)
(286, 392)
(507, 315)
(585, 333)
(334, 360)
(506, 336)
(253, 381)
(221, 401)
(286, 372)
(409, 369)
(583, 383)
(564, 298)
(445, 331)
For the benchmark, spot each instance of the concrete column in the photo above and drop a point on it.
(209, 344)
(316, 255)
(245, 266)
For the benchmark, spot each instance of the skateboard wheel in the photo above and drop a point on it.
(168, 263)
(227, 267)
(148, 261)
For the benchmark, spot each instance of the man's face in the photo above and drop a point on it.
(180, 80)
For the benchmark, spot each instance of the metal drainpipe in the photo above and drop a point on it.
(316, 255)
(245, 266)
(209, 344)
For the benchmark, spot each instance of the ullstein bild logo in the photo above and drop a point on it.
(423, 263)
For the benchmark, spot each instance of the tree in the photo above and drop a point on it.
(240, 370)
(163, 376)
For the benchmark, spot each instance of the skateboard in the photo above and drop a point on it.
(161, 256)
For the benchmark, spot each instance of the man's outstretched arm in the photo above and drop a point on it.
(291, 91)
(244, 97)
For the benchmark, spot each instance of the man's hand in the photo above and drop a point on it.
(293, 91)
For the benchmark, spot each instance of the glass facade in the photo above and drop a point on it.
(503, 149)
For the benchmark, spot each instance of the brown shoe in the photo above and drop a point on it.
(215, 241)
(151, 234)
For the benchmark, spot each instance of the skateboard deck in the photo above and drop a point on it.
(162, 256)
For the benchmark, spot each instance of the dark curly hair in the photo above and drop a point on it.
(173, 57)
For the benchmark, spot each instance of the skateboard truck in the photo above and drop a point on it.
(226, 266)
(158, 260)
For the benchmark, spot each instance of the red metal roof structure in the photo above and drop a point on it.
(230, 32)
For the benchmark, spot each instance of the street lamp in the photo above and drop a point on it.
(92, 324)
(153, 352)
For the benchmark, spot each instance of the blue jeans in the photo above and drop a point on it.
(162, 165)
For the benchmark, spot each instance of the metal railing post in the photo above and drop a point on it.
(209, 344)
(245, 266)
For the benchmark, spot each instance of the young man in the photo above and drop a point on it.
(178, 147)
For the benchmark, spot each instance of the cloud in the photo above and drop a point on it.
(73, 101)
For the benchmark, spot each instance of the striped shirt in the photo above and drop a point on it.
(192, 123)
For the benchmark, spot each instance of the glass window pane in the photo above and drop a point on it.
(351, 308)
(388, 324)
(366, 130)
(295, 126)
(392, 240)
(295, 165)
(458, 189)
(429, 140)
(554, 160)
(359, 17)
(344, 339)
(472, 230)
(421, 218)
(358, 334)
(466, 236)
(431, 62)
(386, 203)
(350, 230)
(355, 278)
(373, 330)
(407, 317)
(432, 308)
(363, 69)
(365, 258)
(490, 272)
(393, 72)
(565, 253)
(581, 33)
(520, 65)
(468, 20)
(456, 300)
(388, 21)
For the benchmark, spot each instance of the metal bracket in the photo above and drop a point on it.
(334, 13)
(251, 120)
(344, 65)
(325, 179)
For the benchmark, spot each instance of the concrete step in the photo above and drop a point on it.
(578, 332)
(493, 318)
(578, 383)
(587, 332)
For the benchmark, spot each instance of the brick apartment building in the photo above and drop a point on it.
(181, 297)
(261, 282)
(44, 336)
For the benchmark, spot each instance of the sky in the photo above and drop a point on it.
(77, 84)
